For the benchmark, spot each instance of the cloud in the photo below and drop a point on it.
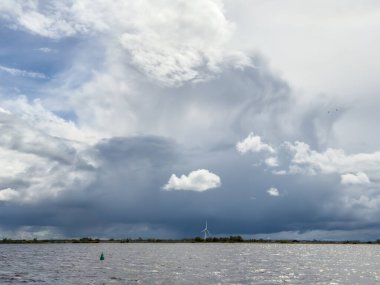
(44, 120)
(46, 50)
(300, 158)
(253, 143)
(199, 180)
(354, 179)
(36, 165)
(192, 47)
(302, 49)
(4, 111)
(150, 88)
(8, 194)
(54, 20)
(24, 73)
(112, 180)
(230, 109)
(178, 43)
(100, 92)
(273, 192)
(279, 172)
(271, 161)
(331, 160)
(114, 187)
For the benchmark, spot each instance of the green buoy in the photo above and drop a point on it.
(102, 257)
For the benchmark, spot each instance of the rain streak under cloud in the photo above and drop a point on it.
(147, 118)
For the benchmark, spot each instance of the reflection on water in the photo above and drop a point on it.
(189, 264)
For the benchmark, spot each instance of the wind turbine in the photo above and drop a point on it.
(205, 231)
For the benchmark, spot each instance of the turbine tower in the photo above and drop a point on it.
(205, 231)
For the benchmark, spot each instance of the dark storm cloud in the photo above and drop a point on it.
(128, 181)
(126, 197)
(154, 149)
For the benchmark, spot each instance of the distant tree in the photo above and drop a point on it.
(85, 239)
(236, 239)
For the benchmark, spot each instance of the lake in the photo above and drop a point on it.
(156, 263)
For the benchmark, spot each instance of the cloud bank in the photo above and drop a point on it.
(103, 104)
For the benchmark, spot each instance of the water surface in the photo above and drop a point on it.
(189, 264)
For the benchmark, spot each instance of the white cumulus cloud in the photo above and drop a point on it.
(352, 178)
(273, 192)
(199, 180)
(253, 143)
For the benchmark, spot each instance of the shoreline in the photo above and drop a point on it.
(171, 241)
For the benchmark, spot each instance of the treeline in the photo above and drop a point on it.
(128, 240)
(219, 239)
(230, 239)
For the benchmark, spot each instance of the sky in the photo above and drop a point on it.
(126, 119)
